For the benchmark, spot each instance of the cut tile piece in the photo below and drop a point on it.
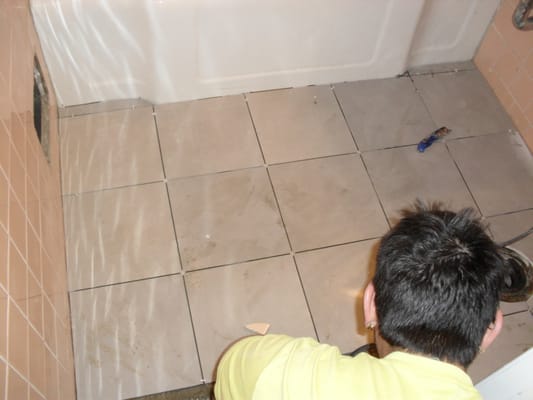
(327, 201)
(295, 124)
(515, 338)
(206, 136)
(464, 102)
(401, 175)
(508, 226)
(498, 169)
(444, 67)
(226, 218)
(384, 113)
(119, 235)
(334, 280)
(133, 339)
(111, 149)
(260, 328)
(224, 299)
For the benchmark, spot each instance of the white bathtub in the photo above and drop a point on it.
(172, 50)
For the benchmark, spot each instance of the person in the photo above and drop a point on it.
(433, 304)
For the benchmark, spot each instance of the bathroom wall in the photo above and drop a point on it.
(35, 340)
(505, 58)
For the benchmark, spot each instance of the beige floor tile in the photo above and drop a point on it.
(205, 136)
(401, 175)
(327, 201)
(226, 218)
(463, 102)
(225, 299)
(111, 149)
(119, 235)
(505, 227)
(334, 280)
(133, 339)
(515, 338)
(498, 170)
(295, 124)
(384, 113)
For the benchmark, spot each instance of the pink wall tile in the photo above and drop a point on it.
(505, 58)
(529, 64)
(18, 340)
(17, 387)
(18, 275)
(522, 89)
(2, 380)
(37, 361)
(31, 226)
(3, 323)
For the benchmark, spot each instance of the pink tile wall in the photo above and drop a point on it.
(35, 342)
(505, 58)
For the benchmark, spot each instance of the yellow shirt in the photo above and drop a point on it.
(278, 367)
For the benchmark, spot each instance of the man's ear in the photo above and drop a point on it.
(492, 331)
(369, 305)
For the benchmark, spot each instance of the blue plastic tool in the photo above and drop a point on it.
(435, 135)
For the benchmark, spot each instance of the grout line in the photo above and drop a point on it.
(254, 128)
(338, 245)
(362, 160)
(156, 127)
(517, 312)
(230, 264)
(332, 87)
(464, 180)
(445, 143)
(315, 158)
(168, 192)
(77, 194)
(286, 231)
(203, 380)
(305, 297)
(509, 212)
(106, 285)
(178, 178)
(21, 376)
(375, 191)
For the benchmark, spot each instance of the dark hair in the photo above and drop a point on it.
(437, 283)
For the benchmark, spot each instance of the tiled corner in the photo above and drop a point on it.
(505, 227)
(206, 136)
(327, 201)
(463, 102)
(515, 338)
(300, 123)
(498, 169)
(226, 218)
(334, 280)
(384, 113)
(100, 151)
(133, 339)
(225, 299)
(119, 235)
(401, 175)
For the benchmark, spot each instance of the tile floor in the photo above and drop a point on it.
(186, 221)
